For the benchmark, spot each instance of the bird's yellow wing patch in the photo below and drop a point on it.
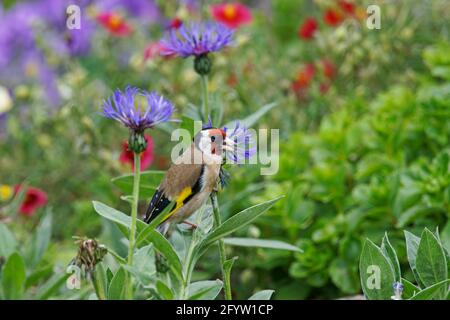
(186, 192)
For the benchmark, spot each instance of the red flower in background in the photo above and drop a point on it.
(34, 198)
(347, 6)
(304, 77)
(127, 157)
(114, 23)
(328, 69)
(308, 28)
(324, 87)
(333, 17)
(233, 15)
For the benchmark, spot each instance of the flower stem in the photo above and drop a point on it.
(134, 209)
(222, 254)
(204, 79)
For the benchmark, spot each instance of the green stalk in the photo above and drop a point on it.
(134, 209)
(222, 254)
(204, 79)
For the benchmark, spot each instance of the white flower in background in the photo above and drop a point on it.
(5, 100)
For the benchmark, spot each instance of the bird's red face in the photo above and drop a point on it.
(217, 138)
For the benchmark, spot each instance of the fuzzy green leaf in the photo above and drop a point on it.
(13, 277)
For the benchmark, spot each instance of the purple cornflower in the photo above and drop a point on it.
(243, 144)
(125, 107)
(196, 39)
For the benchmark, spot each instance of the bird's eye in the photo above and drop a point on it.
(213, 138)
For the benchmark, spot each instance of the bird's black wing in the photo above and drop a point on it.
(160, 201)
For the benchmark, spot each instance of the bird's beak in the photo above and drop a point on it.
(228, 145)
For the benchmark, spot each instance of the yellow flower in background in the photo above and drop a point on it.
(6, 192)
(5, 100)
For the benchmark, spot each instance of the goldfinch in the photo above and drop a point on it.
(191, 178)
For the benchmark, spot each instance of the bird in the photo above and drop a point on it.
(191, 178)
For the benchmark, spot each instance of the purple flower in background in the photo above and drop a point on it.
(125, 107)
(242, 141)
(196, 39)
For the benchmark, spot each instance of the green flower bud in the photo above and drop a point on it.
(137, 142)
(202, 64)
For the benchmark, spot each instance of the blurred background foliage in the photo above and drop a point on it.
(364, 119)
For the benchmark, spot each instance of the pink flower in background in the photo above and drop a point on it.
(127, 157)
(233, 15)
(308, 29)
(153, 50)
(114, 23)
(34, 198)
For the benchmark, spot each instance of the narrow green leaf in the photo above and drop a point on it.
(431, 262)
(261, 243)
(150, 181)
(253, 118)
(116, 290)
(112, 214)
(433, 292)
(412, 244)
(100, 282)
(39, 241)
(163, 290)
(166, 249)
(409, 289)
(389, 252)
(262, 295)
(13, 277)
(238, 221)
(204, 290)
(52, 286)
(36, 276)
(377, 275)
(8, 243)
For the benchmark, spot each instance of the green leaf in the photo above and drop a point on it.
(432, 292)
(238, 221)
(412, 244)
(389, 252)
(431, 262)
(166, 249)
(52, 286)
(100, 282)
(150, 181)
(36, 276)
(8, 243)
(409, 289)
(377, 275)
(253, 118)
(116, 290)
(344, 276)
(144, 265)
(262, 295)
(163, 290)
(14, 277)
(204, 290)
(261, 243)
(112, 214)
(39, 241)
(152, 225)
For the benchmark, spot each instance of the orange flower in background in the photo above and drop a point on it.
(308, 28)
(34, 198)
(328, 69)
(333, 17)
(127, 157)
(233, 15)
(114, 23)
(304, 77)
